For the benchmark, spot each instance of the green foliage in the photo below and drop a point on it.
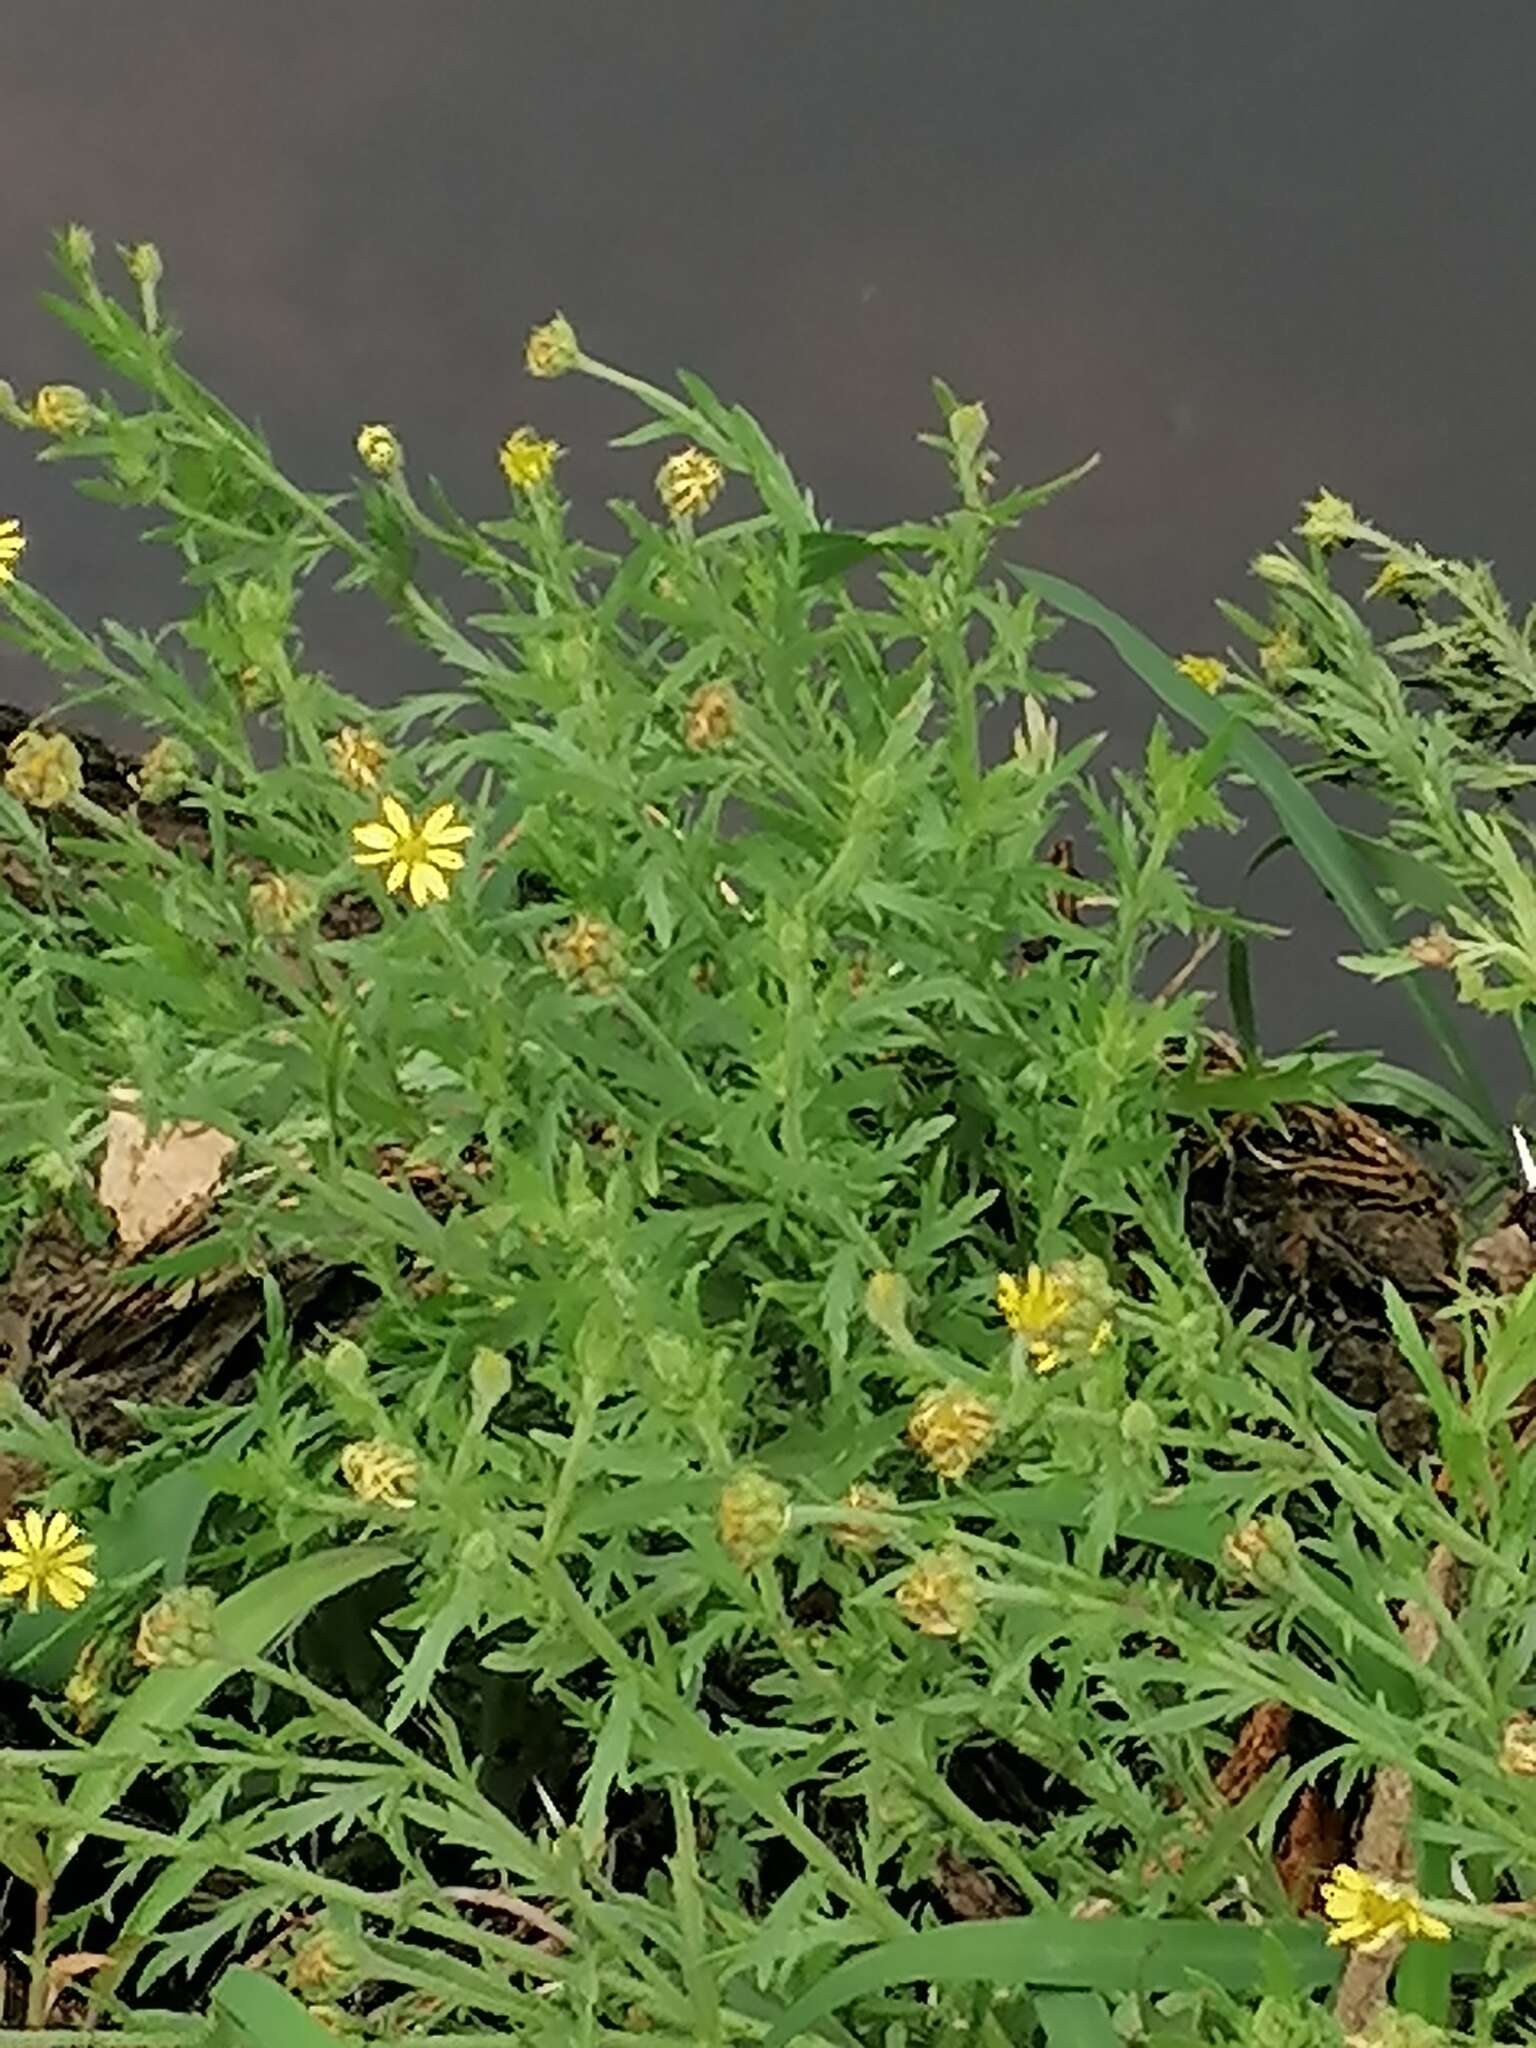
(577, 1665)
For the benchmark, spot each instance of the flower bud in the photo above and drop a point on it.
(551, 349)
(1517, 1746)
(163, 771)
(178, 1630)
(142, 263)
(379, 449)
(61, 409)
(381, 1473)
(46, 770)
(753, 1518)
(280, 904)
(952, 1427)
(689, 482)
(941, 1594)
(854, 1530)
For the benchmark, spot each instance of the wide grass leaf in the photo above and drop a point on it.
(1049, 1951)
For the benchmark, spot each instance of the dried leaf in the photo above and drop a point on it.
(150, 1184)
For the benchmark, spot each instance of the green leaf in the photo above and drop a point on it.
(1076, 2019)
(826, 556)
(1049, 1950)
(1326, 850)
(259, 2013)
(247, 1624)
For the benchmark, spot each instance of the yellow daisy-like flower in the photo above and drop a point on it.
(1032, 1308)
(551, 349)
(379, 449)
(61, 409)
(417, 856)
(689, 482)
(1368, 1912)
(357, 757)
(951, 1427)
(46, 1561)
(1206, 671)
(45, 771)
(381, 1473)
(526, 460)
(12, 546)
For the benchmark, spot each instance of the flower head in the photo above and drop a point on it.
(142, 262)
(324, 1962)
(854, 1530)
(379, 449)
(61, 409)
(689, 482)
(1281, 651)
(415, 855)
(710, 719)
(1434, 948)
(526, 461)
(1257, 1550)
(1390, 577)
(45, 770)
(164, 770)
(1206, 671)
(1517, 1746)
(951, 1427)
(586, 951)
(178, 1630)
(940, 1594)
(357, 757)
(46, 1561)
(12, 546)
(753, 1518)
(280, 904)
(1061, 1314)
(1369, 1912)
(381, 1473)
(551, 349)
(1330, 521)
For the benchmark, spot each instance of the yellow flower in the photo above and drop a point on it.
(689, 482)
(526, 461)
(854, 1530)
(380, 1473)
(164, 770)
(357, 757)
(711, 718)
(12, 544)
(379, 448)
(417, 855)
(45, 770)
(1517, 1747)
(46, 1561)
(1369, 1912)
(951, 1427)
(939, 1595)
(178, 1630)
(280, 904)
(551, 349)
(1391, 576)
(61, 409)
(1059, 1314)
(753, 1518)
(1206, 671)
(1330, 520)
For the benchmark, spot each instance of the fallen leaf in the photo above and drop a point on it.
(150, 1183)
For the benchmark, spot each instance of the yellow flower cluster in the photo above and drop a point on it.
(381, 1473)
(952, 1427)
(526, 460)
(357, 757)
(1059, 1314)
(379, 449)
(1369, 1912)
(45, 770)
(13, 544)
(689, 482)
(1206, 671)
(710, 719)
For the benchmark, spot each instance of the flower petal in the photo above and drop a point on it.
(445, 857)
(397, 815)
(396, 875)
(438, 821)
(374, 860)
(375, 834)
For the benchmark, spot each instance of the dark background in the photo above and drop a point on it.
(1244, 251)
